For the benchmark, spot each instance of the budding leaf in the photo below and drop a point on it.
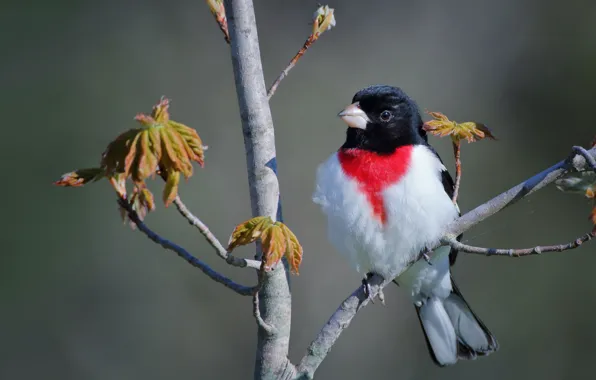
(80, 177)
(142, 202)
(158, 145)
(471, 131)
(276, 239)
(249, 231)
(194, 144)
(170, 191)
(218, 11)
(274, 245)
(323, 20)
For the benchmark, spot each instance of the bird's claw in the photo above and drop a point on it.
(368, 291)
(381, 297)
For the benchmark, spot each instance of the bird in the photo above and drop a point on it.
(387, 197)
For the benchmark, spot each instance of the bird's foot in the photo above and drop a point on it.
(368, 290)
(366, 287)
(381, 297)
(426, 256)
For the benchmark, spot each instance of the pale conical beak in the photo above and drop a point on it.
(354, 117)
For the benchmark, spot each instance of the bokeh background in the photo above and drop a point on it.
(84, 297)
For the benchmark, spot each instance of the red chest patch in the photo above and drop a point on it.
(375, 172)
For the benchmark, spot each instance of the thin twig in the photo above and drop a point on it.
(211, 239)
(457, 154)
(323, 20)
(195, 262)
(257, 314)
(256, 311)
(311, 39)
(519, 252)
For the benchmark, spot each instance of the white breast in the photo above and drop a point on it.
(417, 210)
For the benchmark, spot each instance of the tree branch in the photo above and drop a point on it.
(323, 20)
(195, 262)
(513, 195)
(259, 142)
(290, 66)
(519, 252)
(211, 239)
(339, 321)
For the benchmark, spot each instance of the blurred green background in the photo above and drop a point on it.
(84, 297)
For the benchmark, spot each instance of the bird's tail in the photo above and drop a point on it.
(453, 331)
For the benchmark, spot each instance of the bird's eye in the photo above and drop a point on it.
(386, 116)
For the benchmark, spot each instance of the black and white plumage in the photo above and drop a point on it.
(387, 197)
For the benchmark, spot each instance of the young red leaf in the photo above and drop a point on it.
(146, 164)
(178, 147)
(113, 158)
(470, 131)
(142, 201)
(80, 177)
(155, 139)
(160, 111)
(192, 140)
(274, 245)
(158, 145)
(170, 190)
(131, 155)
(118, 182)
(293, 249)
(475, 131)
(249, 231)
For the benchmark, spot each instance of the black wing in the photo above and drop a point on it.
(449, 187)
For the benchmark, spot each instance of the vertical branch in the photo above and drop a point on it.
(257, 126)
(457, 154)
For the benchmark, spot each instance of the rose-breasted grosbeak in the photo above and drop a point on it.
(387, 197)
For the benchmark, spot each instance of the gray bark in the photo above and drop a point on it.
(259, 142)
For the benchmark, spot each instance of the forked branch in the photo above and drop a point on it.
(192, 260)
(212, 240)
